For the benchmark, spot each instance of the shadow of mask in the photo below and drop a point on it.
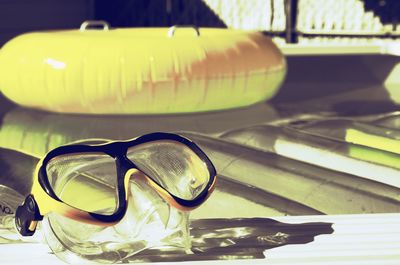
(236, 238)
(149, 222)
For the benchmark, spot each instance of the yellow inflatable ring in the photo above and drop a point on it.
(140, 70)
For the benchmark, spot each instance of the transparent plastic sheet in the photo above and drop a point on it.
(324, 190)
(15, 183)
(38, 132)
(240, 162)
(363, 161)
(9, 201)
(390, 121)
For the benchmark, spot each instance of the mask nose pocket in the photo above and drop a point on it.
(145, 208)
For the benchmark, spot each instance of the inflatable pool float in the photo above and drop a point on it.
(140, 70)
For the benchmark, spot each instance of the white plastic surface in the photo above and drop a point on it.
(357, 239)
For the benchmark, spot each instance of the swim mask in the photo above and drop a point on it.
(115, 195)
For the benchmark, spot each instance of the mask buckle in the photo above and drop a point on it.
(26, 216)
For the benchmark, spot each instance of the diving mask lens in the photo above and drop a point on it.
(86, 181)
(173, 165)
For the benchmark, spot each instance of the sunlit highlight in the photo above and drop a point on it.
(333, 161)
(55, 64)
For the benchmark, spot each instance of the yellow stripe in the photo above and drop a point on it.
(375, 141)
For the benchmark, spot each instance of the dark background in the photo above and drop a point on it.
(19, 16)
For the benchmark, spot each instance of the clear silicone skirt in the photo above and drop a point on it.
(149, 222)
